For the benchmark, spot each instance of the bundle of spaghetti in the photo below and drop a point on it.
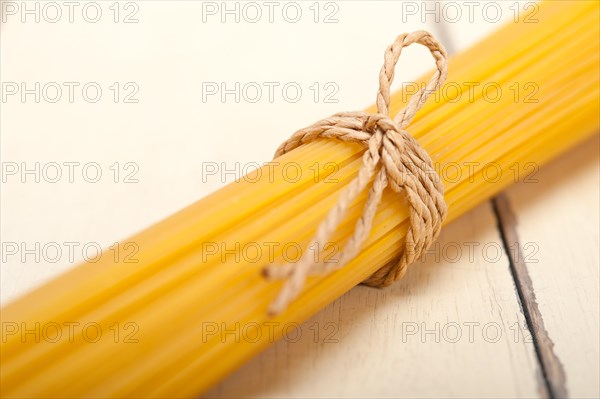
(170, 324)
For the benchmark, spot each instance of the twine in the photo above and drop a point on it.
(393, 157)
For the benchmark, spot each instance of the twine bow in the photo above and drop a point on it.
(393, 157)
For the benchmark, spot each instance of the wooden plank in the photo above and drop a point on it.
(451, 328)
(555, 221)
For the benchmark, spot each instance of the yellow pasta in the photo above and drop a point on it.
(184, 286)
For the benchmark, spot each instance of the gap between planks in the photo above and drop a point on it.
(551, 367)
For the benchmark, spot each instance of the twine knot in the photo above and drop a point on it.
(392, 158)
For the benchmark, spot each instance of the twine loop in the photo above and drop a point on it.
(392, 158)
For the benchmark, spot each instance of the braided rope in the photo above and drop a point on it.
(393, 157)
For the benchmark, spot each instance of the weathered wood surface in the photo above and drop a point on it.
(463, 323)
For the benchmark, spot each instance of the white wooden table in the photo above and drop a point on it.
(507, 306)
